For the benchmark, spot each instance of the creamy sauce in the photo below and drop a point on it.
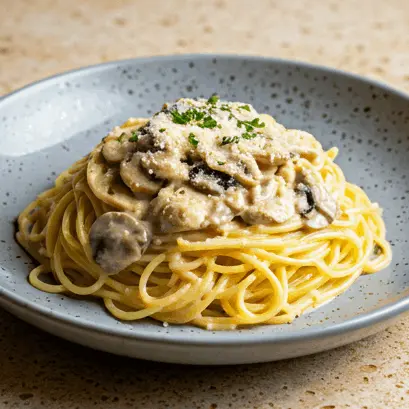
(202, 163)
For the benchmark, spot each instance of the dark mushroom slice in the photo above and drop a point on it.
(306, 202)
(118, 239)
(243, 168)
(316, 205)
(209, 180)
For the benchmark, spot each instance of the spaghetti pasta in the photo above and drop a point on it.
(219, 277)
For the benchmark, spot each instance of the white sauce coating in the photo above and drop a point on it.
(201, 163)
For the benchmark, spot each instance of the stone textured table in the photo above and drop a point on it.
(43, 37)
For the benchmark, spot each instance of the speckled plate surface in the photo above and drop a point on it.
(47, 126)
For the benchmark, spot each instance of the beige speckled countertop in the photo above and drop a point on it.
(42, 37)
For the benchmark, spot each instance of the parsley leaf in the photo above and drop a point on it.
(197, 114)
(226, 140)
(161, 130)
(220, 163)
(247, 135)
(134, 137)
(186, 117)
(179, 118)
(257, 124)
(213, 99)
(192, 139)
(208, 122)
(250, 125)
(246, 107)
(121, 137)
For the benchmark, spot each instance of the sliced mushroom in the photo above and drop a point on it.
(115, 150)
(305, 202)
(165, 165)
(242, 167)
(145, 142)
(107, 185)
(209, 180)
(325, 203)
(118, 239)
(182, 208)
(135, 177)
(275, 209)
(117, 144)
(316, 205)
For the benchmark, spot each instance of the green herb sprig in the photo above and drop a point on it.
(245, 107)
(134, 136)
(213, 99)
(183, 118)
(192, 139)
(247, 135)
(208, 122)
(229, 139)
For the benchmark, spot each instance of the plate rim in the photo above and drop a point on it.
(237, 337)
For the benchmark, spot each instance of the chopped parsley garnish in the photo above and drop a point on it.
(197, 114)
(225, 108)
(250, 125)
(161, 130)
(229, 139)
(192, 139)
(183, 118)
(247, 135)
(180, 118)
(121, 137)
(208, 122)
(257, 124)
(220, 163)
(246, 107)
(213, 99)
(134, 137)
(219, 126)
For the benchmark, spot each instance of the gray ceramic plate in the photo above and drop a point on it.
(47, 126)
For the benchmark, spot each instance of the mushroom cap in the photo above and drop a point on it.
(118, 239)
(136, 178)
(107, 185)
